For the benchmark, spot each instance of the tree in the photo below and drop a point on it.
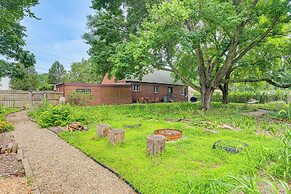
(112, 25)
(201, 41)
(12, 35)
(56, 73)
(43, 84)
(83, 72)
(270, 63)
(27, 81)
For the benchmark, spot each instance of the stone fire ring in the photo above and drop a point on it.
(170, 134)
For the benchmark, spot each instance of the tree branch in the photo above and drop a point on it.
(257, 41)
(268, 80)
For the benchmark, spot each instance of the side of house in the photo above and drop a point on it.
(101, 94)
(158, 86)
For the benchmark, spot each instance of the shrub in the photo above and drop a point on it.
(5, 126)
(79, 98)
(243, 97)
(59, 115)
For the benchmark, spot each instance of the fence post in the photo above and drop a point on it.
(30, 98)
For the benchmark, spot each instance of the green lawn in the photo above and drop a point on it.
(189, 165)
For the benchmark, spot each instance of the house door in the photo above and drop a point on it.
(170, 90)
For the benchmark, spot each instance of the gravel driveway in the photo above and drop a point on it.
(57, 166)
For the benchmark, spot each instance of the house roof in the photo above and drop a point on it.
(159, 76)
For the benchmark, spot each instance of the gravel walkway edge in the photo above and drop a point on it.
(101, 164)
(60, 168)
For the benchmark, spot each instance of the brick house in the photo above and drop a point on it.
(102, 94)
(158, 86)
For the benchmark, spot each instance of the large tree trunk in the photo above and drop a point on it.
(206, 95)
(225, 90)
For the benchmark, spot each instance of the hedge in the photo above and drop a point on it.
(243, 97)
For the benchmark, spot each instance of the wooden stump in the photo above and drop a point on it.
(102, 130)
(116, 136)
(155, 144)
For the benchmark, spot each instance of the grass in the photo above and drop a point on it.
(189, 165)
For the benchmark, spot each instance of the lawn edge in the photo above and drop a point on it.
(96, 161)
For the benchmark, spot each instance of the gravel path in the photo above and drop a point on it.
(57, 166)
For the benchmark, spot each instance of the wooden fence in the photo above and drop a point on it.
(19, 99)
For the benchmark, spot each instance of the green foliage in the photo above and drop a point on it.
(80, 98)
(189, 165)
(56, 73)
(27, 81)
(48, 115)
(12, 35)
(200, 42)
(243, 97)
(43, 84)
(286, 113)
(282, 166)
(5, 126)
(83, 72)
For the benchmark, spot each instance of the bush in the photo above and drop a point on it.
(59, 115)
(243, 97)
(79, 98)
(5, 126)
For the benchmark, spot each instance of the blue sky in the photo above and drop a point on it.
(58, 35)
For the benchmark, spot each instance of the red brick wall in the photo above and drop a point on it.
(102, 94)
(146, 91)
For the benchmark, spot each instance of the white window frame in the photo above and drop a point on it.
(135, 88)
(156, 89)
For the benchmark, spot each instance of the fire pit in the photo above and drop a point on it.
(170, 134)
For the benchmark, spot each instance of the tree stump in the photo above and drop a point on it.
(116, 136)
(102, 130)
(155, 144)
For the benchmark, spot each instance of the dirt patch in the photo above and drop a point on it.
(14, 185)
(229, 127)
(257, 113)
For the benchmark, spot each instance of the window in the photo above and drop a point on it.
(170, 90)
(156, 89)
(184, 91)
(135, 88)
(84, 90)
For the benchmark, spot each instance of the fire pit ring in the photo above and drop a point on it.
(170, 134)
